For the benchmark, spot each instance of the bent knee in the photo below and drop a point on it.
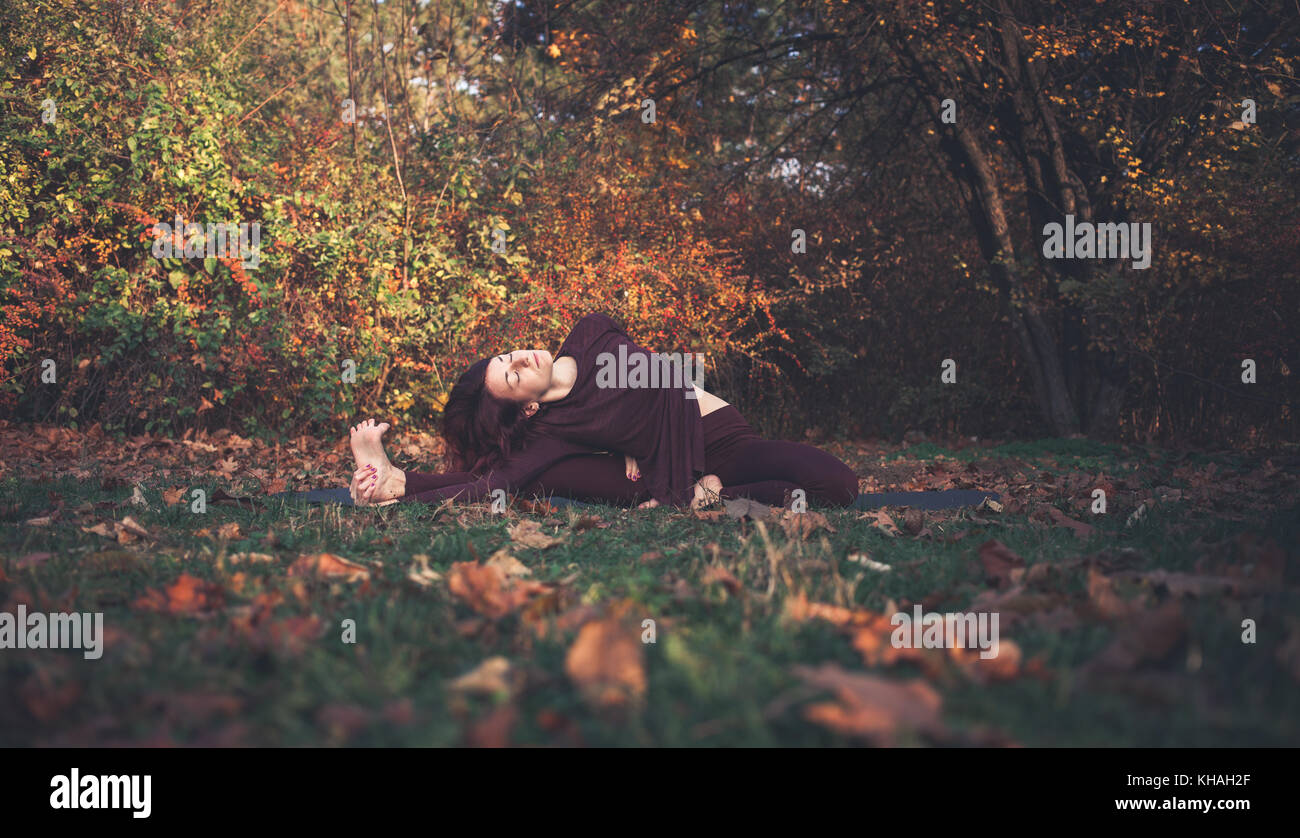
(840, 487)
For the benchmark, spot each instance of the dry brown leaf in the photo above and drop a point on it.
(872, 708)
(999, 561)
(187, 595)
(1080, 529)
(509, 565)
(1146, 636)
(487, 590)
(801, 524)
(588, 522)
(1101, 594)
(529, 534)
(329, 566)
(171, 497)
(605, 663)
(241, 558)
(493, 729)
(880, 519)
(29, 560)
(724, 577)
(492, 676)
(739, 508)
(420, 573)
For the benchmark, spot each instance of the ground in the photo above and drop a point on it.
(228, 626)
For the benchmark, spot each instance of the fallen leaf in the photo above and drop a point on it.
(329, 566)
(1138, 515)
(509, 565)
(137, 497)
(880, 519)
(171, 497)
(241, 558)
(739, 508)
(1182, 584)
(420, 573)
(1101, 594)
(605, 663)
(724, 577)
(529, 534)
(1146, 636)
(802, 524)
(187, 595)
(868, 562)
(31, 560)
(487, 590)
(1080, 529)
(491, 677)
(999, 561)
(493, 729)
(870, 707)
(588, 522)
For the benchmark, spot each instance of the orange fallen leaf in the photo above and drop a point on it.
(871, 707)
(487, 590)
(802, 524)
(1080, 529)
(329, 566)
(605, 663)
(719, 574)
(999, 561)
(187, 595)
(880, 519)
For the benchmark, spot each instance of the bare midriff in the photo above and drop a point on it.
(708, 402)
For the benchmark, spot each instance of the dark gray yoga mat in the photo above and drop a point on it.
(945, 499)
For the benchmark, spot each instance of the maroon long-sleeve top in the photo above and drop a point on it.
(658, 425)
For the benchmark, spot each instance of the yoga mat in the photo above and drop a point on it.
(945, 499)
(940, 499)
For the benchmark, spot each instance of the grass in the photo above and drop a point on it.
(721, 671)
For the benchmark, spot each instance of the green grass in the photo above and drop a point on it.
(720, 673)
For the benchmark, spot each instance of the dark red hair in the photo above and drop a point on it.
(481, 431)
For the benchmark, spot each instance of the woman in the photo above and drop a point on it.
(526, 418)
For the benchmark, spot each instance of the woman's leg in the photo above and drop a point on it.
(595, 478)
(764, 470)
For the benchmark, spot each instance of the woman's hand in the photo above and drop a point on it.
(633, 470)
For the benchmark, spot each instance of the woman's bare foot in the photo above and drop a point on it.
(375, 480)
(707, 490)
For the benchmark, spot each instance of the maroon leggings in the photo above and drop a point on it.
(748, 466)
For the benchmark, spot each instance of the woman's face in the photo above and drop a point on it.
(521, 376)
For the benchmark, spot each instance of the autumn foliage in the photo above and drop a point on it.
(503, 177)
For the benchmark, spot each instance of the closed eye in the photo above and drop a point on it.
(507, 372)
